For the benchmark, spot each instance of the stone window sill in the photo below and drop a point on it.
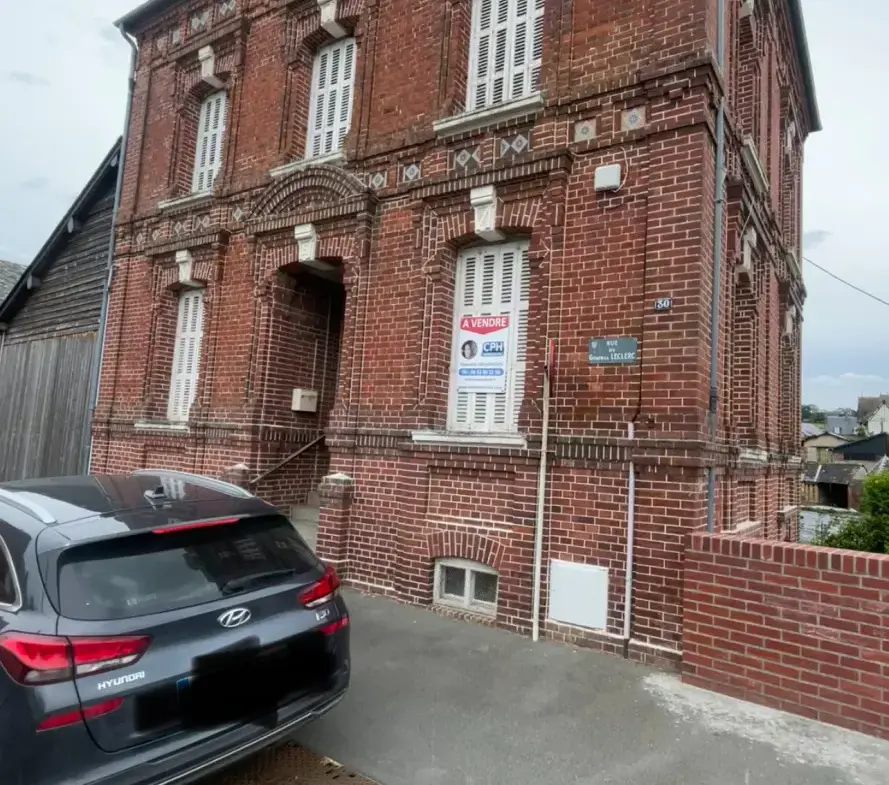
(161, 425)
(508, 440)
(191, 200)
(489, 116)
(333, 159)
(745, 526)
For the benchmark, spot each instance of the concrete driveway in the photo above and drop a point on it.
(441, 701)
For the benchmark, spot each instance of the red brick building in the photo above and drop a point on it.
(331, 196)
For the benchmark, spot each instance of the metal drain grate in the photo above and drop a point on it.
(288, 764)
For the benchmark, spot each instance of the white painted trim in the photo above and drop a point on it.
(753, 165)
(182, 201)
(475, 439)
(490, 115)
(337, 158)
(753, 456)
(163, 425)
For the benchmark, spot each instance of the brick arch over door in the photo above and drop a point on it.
(324, 185)
(464, 545)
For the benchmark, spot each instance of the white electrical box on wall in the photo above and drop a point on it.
(304, 400)
(578, 594)
(607, 178)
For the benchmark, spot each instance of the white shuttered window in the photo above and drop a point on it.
(330, 104)
(492, 280)
(505, 51)
(186, 355)
(208, 154)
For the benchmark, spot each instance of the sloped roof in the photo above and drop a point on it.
(10, 272)
(20, 291)
(877, 445)
(881, 465)
(810, 471)
(808, 429)
(868, 404)
(840, 473)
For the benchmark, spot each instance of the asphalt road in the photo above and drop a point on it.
(437, 701)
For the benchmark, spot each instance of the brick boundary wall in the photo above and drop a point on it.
(795, 627)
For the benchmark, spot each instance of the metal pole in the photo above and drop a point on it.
(631, 536)
(718, 211)
(99, 350)
(541, 502)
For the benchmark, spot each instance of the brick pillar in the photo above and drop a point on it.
(336, 492)
(238, 475)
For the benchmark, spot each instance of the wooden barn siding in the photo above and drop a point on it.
(69, 300)
(46, 358)
(44, 407)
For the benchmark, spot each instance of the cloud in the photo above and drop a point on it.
(110, 34)
(814, 238)
(34, 183)
(27, 78)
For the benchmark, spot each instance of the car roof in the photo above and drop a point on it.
(141, 498)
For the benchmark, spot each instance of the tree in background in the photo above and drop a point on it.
(813, 414)
(870, 530)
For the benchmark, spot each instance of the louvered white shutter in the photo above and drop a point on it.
(505, 51)
(186, 355)
(492, 281)
(330, 104)
(208, 154)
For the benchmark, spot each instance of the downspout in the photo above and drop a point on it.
(541, 495)
(631, 536)
(99, 350)
(719, 208)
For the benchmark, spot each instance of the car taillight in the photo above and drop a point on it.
(44, 659)
(87, 713)
(322, 590)
(335, 626)
(35, 659)
(93, 655)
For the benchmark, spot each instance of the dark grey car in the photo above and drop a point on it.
(156, 627)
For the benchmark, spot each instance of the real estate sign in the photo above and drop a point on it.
(482, 352)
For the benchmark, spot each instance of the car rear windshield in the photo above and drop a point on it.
(150, 573)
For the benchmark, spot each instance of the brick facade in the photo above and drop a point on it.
(795, 627)
(622, 83)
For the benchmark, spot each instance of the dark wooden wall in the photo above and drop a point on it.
(46, 359)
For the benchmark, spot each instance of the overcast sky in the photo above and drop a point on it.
(63, 71)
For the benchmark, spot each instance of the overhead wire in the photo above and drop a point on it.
(845, 282)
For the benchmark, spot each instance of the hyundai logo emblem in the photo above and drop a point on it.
(234, 617)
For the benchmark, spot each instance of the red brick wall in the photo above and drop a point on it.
(598, 262)
(796, 627)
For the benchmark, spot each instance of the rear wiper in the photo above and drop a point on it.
(239, 584)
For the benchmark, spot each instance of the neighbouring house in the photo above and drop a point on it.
(334, 282)
(819, 448)
(867, 451)
(833, 485)
(808, 429)
(10, 272)
(878, 422)
(49, 323)
(841, 424)
(869, 407)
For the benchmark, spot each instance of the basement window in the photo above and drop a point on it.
(466, 585)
